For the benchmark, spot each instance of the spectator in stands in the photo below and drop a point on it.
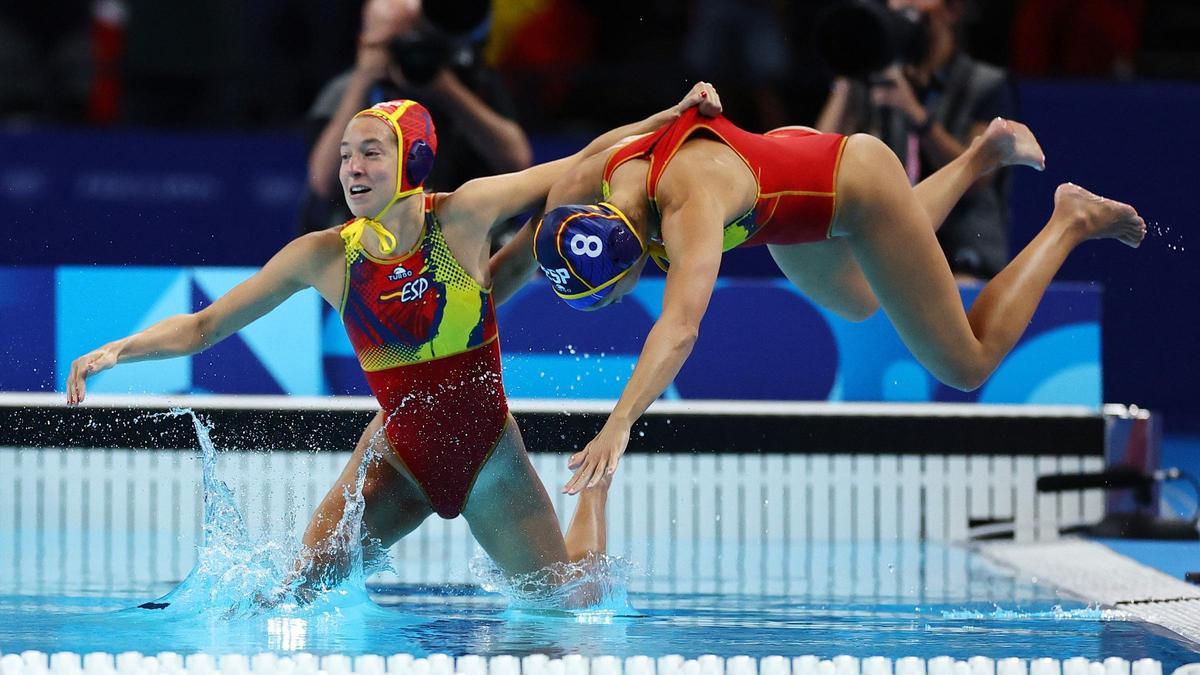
(432, 55)
(928, 112)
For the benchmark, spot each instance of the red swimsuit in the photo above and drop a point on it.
(425, 335)
(795, 168)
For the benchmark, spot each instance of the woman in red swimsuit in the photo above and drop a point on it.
(840, 219)
(410, 278)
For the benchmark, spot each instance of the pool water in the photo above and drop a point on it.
(756, 617)
(864, 599)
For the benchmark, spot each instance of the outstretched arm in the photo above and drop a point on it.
(495, 199)
(287, 272)
(692, 232)
(513, 265)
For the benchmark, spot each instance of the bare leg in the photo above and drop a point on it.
(893, 241)
(512, 517)
(827, 272)
(588, 532)
(510, 512)
(393, 506)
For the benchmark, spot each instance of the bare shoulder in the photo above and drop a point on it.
(311, 256)
(464, 206)
(316, 259)
(465, 220)
(319, 245)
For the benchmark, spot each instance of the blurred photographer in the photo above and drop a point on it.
(431, 55)
(903, 77)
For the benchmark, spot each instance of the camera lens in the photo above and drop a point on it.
(859, 37)
(419, 56)
(457, 18)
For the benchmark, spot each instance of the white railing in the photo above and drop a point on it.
(135, 515)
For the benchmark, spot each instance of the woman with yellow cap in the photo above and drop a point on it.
(410, 278)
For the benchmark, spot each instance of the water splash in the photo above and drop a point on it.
(1172, 240)
(1089, 613)
(236, 576)
(592, 589)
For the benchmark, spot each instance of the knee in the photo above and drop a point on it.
(859, 311)
(965, 377)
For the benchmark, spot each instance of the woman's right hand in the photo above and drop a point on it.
(703, 95)
(84, 367)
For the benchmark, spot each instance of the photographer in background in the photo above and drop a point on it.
(432, 56)
(903, 77)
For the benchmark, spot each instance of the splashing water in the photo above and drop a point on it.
(594, 588)
(236, 576)
(1172, 240)
(239, 579)
(1056, 612)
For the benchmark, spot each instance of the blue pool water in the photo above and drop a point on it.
(83, 616)
(826, 599)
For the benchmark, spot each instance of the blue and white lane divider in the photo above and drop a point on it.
(170, 663)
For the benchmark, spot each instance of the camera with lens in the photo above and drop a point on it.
(858, 38)
(447, 36)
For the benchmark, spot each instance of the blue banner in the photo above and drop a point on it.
(136, 197)
(761, 340)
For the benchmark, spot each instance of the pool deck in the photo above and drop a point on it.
(1113, 576)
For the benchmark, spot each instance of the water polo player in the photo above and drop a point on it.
(839, 218)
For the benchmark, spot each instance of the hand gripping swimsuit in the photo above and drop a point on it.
(795, 169)
(425, 335)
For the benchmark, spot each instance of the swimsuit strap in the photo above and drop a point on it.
(636, 149)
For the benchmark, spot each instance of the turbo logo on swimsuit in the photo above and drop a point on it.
(399, 274)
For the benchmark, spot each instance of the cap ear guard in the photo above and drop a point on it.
(419, 163)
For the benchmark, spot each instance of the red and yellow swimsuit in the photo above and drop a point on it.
(425, 335)
(795, 168)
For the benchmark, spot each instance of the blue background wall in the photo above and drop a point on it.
(125, 198)
(761, 340)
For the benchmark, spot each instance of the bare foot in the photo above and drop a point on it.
(1011, 143)
(1098, 217)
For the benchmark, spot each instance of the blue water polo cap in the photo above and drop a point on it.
(584, 249)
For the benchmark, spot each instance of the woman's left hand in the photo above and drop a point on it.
(598, 459)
